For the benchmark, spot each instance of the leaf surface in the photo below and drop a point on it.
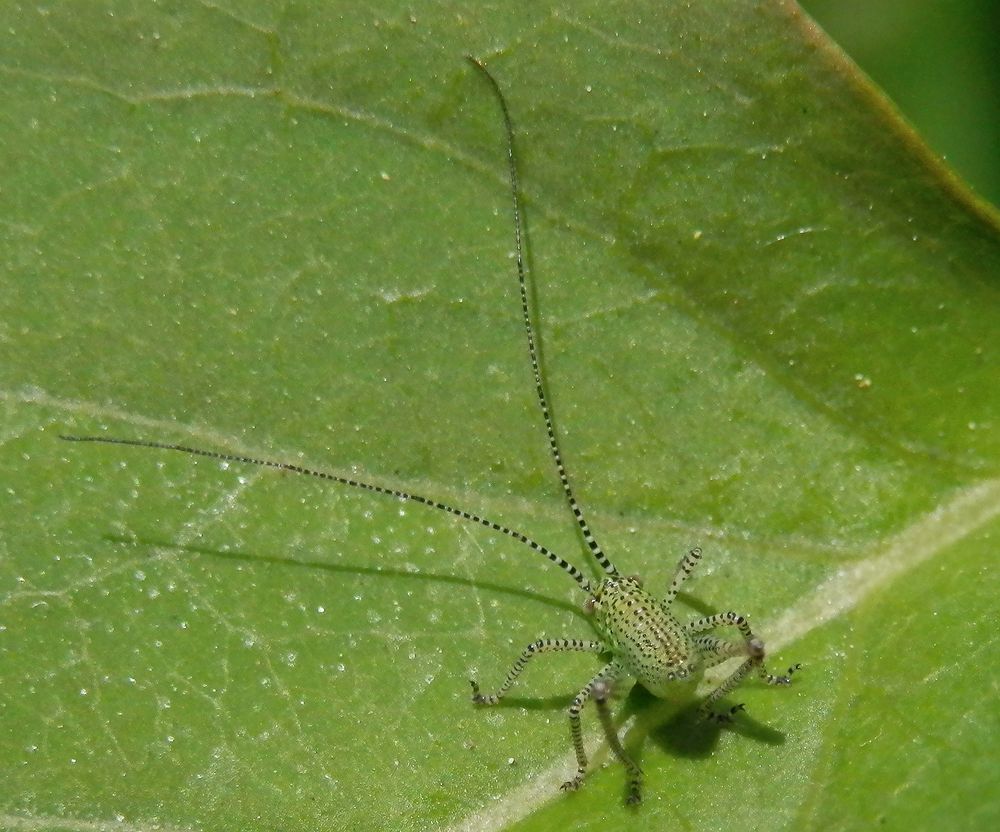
(768, 321)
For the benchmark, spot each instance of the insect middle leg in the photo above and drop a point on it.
(715, 650)
(542, 645)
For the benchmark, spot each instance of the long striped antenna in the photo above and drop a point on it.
(567, 567)
(515, 192)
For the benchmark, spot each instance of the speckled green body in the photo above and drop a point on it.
(649, 643)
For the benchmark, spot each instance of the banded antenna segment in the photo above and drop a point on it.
(515, 193)
(567, 567)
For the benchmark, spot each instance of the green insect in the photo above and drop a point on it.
(638, 635)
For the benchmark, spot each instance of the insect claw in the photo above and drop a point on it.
(786, 679)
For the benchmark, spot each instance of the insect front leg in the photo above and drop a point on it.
(728, 685)
(542, 645)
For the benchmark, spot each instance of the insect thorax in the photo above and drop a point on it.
(645, 637)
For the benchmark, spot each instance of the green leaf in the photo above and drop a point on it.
(769, 325)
